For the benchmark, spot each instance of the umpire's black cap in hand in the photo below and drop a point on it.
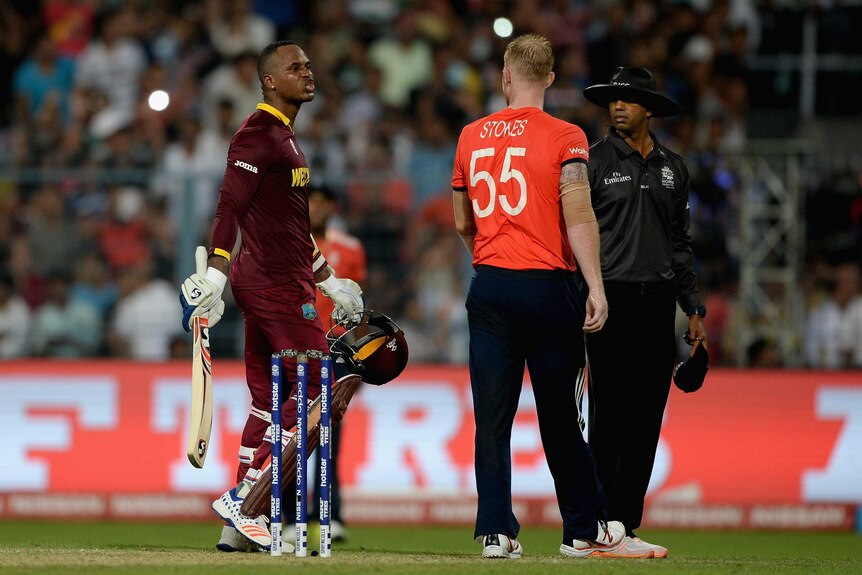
(633, 85)
(688, 375)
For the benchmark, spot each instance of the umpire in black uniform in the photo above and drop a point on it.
(640, 195)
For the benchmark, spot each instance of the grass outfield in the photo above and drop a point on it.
(186, 548)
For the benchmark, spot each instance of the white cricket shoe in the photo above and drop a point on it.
(634, 548)
(228, 508)
(337, 530)
(638, 548)
(232, 540)
(609, 537)
(499, 546)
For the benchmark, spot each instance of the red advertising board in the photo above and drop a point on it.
(98, 439)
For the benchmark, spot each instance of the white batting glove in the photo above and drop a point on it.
(200, 293)
(347, 297)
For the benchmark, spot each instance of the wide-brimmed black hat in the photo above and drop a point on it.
(635, 85)
(688, 375)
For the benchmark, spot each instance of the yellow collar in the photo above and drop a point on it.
(274, 111)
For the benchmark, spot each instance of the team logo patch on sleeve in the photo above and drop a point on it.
(308, 311)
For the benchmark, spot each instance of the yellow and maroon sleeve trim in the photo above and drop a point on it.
(220, 252)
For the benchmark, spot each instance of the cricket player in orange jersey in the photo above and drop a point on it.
(522, 207)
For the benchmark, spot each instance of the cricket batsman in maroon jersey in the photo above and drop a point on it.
(274, 274)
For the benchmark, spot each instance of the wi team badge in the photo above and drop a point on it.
(308, 311)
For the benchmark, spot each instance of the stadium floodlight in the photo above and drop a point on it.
(503, 27)
(159, 100)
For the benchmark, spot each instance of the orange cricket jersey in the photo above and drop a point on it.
(347, 257)
(509, 163)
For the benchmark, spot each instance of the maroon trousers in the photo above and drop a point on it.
(276, 319)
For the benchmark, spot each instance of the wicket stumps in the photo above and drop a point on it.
(301, 439)
(275, 514)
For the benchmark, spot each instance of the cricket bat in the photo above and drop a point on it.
(201, 419)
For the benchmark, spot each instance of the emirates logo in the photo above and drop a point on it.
(392, 345)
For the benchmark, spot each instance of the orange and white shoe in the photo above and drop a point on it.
(228, 508)
(635, 548)
(658, 551)
(609, 537)
(498, 546)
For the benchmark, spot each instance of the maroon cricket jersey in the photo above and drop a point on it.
(264, 196)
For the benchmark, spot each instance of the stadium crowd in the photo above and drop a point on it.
(98, 181)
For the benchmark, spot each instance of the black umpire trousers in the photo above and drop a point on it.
(535, 318)
(630, 369)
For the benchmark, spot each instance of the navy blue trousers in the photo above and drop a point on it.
(532, 318)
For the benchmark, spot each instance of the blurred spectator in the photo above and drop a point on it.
(193, 165)
(376, 191)
(113, 63)
(13, 49)
(54, 240)
(162, 237)
(324, 147)
(223, 129)
(12, 218)
(70, 23)
(63, 327)
(405, 59)
(430, 167)
(234, 29)
(236, 82)
(93, 285)
(440, 293)
(361, 107)
(44, 74)
(126, 140)
(123, 236)
(851, 336)
(416, 328)
(144, 322)
(764, 354)
(14, 320)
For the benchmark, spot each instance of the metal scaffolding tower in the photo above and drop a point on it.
(772, 239)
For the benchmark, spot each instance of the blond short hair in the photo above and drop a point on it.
(530, 56)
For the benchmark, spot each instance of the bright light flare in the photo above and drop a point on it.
(503, 27)
(159, 100)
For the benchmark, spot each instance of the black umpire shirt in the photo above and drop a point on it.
(643, 214)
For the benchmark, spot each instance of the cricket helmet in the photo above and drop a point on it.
(375, 348)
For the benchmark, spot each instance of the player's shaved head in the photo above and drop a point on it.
(265, 57)
(530, 56)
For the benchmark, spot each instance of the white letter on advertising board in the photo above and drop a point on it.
(93, 401)
(409, 431)
(170, 413)
(842, 478)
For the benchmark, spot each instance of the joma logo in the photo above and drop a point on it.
(246, 166)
